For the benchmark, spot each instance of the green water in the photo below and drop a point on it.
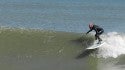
(28, 49)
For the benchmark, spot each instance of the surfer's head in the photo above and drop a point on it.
(91, 25)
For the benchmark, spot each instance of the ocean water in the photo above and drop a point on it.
(49, 34)
(69, 16)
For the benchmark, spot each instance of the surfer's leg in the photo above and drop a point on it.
(99, 39)
(100, 34)
(96, 37)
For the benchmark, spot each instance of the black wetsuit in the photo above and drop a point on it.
(98, 31)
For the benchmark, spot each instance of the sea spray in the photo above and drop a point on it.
(114, 45)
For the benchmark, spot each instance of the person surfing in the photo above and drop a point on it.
(98, 31)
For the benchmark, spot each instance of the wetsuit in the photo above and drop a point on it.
(98, 31)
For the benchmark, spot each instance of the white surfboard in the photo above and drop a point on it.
(95, 46)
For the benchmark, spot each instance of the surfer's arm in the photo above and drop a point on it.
(89, 31)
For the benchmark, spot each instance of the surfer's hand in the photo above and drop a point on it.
(86, 33)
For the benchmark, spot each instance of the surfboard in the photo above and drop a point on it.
(95, 46)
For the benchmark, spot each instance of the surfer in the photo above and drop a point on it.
(98, 31)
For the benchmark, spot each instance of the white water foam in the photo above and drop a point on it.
(113, 47)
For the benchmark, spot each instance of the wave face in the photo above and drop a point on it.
(57, 43)
(30, 49)
(42, 49)
(114, 45)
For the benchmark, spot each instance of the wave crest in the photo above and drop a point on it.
(114, 46)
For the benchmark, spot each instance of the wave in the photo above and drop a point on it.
(45, 42)
(29, 48)
(31, 42)
(114, 45)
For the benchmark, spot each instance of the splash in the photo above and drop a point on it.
(114, 45)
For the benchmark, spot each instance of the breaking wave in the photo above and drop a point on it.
(114, 45)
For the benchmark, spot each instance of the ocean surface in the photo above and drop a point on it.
(49, 34)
